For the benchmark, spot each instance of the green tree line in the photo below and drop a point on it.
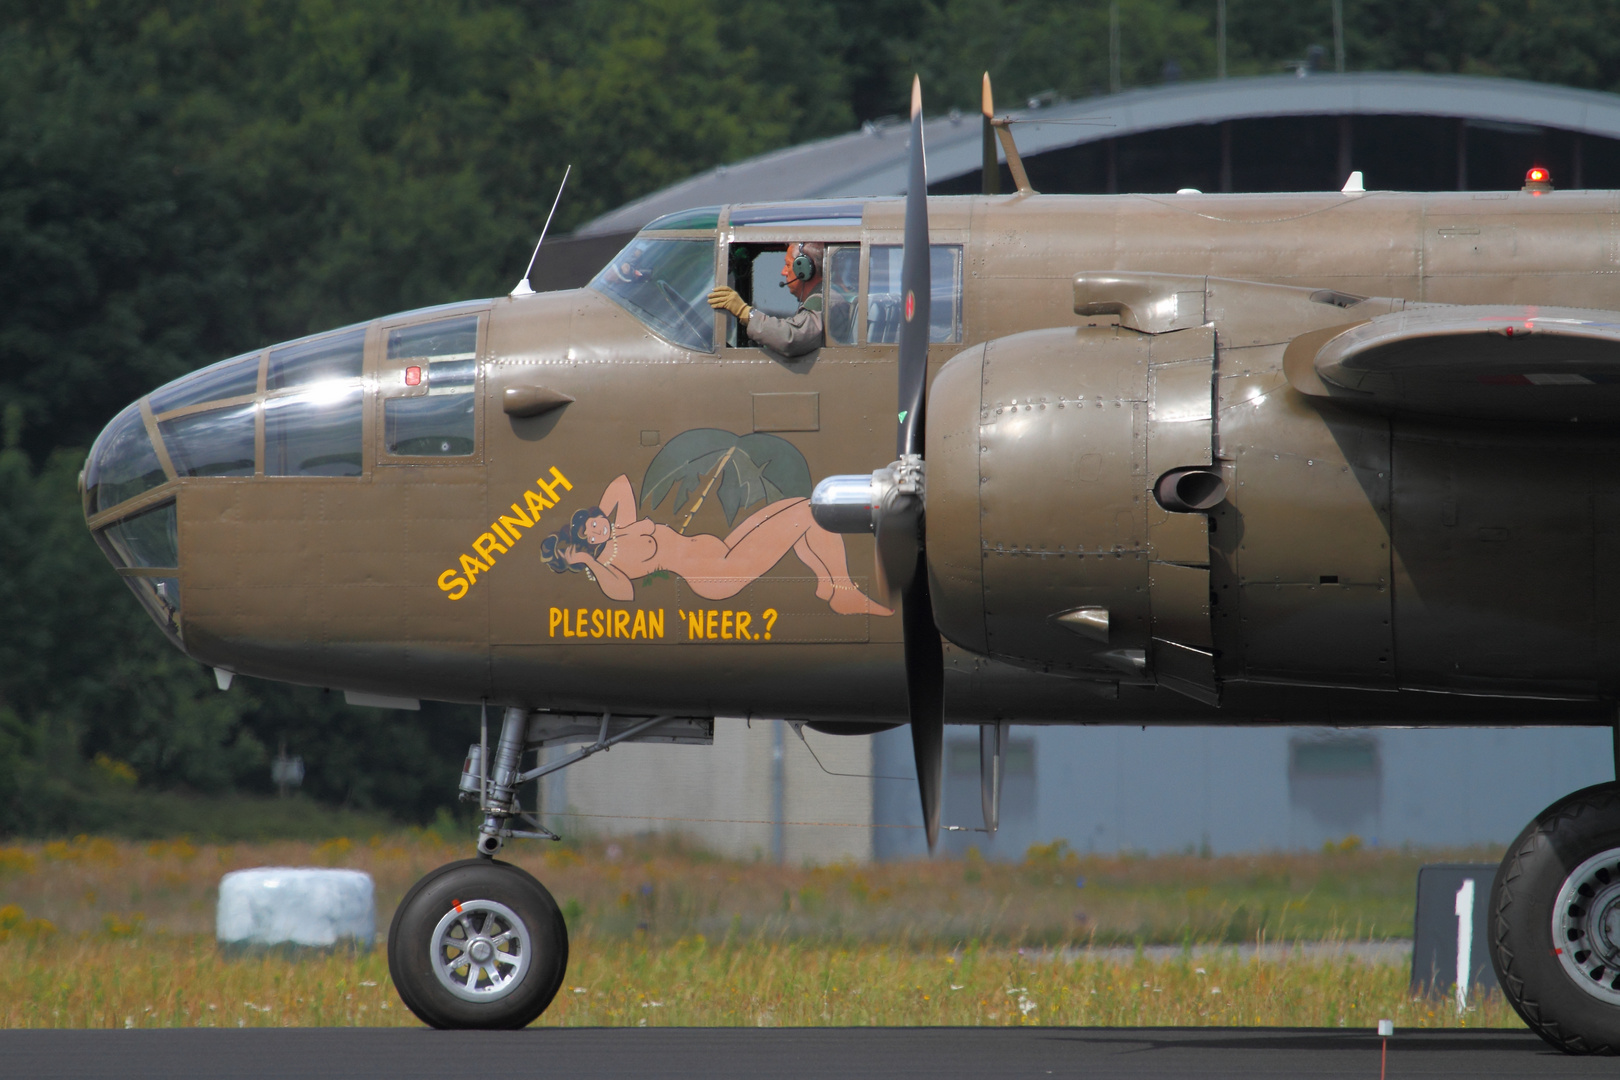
(181, 181)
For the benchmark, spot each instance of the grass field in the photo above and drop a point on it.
(101, 933)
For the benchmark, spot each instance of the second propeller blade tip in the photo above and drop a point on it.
(916, 96)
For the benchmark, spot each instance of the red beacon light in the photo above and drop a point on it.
(1537, 180)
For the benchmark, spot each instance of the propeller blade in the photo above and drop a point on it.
(925, 687)
(915, 287)
(992, 168)
(899, 519)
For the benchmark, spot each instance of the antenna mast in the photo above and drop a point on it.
(522, 287)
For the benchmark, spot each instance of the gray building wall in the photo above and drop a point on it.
(1101, 789)
(1158, 790)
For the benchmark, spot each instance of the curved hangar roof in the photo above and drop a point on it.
(871, 162)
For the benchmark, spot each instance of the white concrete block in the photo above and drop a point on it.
(296, 905)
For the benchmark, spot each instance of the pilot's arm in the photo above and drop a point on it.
(802, 332)
(795, 335)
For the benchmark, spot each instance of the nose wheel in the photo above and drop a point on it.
(1555, 922)
(478, 944)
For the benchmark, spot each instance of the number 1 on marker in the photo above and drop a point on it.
(1465, 941)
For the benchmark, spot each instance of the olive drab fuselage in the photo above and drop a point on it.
(636, 542)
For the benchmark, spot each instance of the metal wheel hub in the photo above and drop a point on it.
(1586, 926)
(480, 950)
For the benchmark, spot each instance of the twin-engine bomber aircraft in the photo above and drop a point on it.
(1341, 458)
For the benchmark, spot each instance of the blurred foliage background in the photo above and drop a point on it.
(185, 180)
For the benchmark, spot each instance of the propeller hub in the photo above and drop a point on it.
(859, 503)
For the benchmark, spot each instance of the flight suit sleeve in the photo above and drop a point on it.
(799, 333)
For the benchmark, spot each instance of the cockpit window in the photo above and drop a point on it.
(883, 303)
(665, 284)
(214, 443)
(145, 540)
(843, 293)
(237, 377)
(324, 359)
(122, 463)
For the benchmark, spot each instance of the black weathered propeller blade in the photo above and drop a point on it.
(889, 502)
(915, 282)
(925, 689)
(900, 536)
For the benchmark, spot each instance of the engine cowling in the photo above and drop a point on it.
(1046, 547)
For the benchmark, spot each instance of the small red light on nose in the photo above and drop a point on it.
(1537, 175)
(413, 376)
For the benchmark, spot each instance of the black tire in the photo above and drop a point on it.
(506, 902)
(1533, 969)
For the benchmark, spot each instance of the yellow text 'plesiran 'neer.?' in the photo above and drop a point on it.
(607, 623)
(504, 533)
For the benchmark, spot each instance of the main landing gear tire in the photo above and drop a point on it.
(477, 944)
(1555, 922)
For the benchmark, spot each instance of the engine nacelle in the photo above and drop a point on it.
(1046, 546)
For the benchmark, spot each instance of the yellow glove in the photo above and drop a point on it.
(725, 298)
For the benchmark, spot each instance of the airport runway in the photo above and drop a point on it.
(779, 1054)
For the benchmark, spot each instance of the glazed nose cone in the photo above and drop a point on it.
(123, 484)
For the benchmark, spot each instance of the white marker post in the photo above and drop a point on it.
(1465, 941)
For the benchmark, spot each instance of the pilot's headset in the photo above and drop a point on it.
(805, 265)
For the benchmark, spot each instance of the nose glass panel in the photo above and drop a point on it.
(160, 596)
(324, 359)
(447, 337)
(216, 443)
(237, 377)
(146, 540)
(314, 434)
(440, 426)
(122, 463)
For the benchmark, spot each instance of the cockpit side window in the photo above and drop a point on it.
(884, 300)
(843, 293)
(429, 407)
(757, 270)
(665, 284)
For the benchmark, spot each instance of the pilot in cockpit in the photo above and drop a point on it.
(796, 334)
